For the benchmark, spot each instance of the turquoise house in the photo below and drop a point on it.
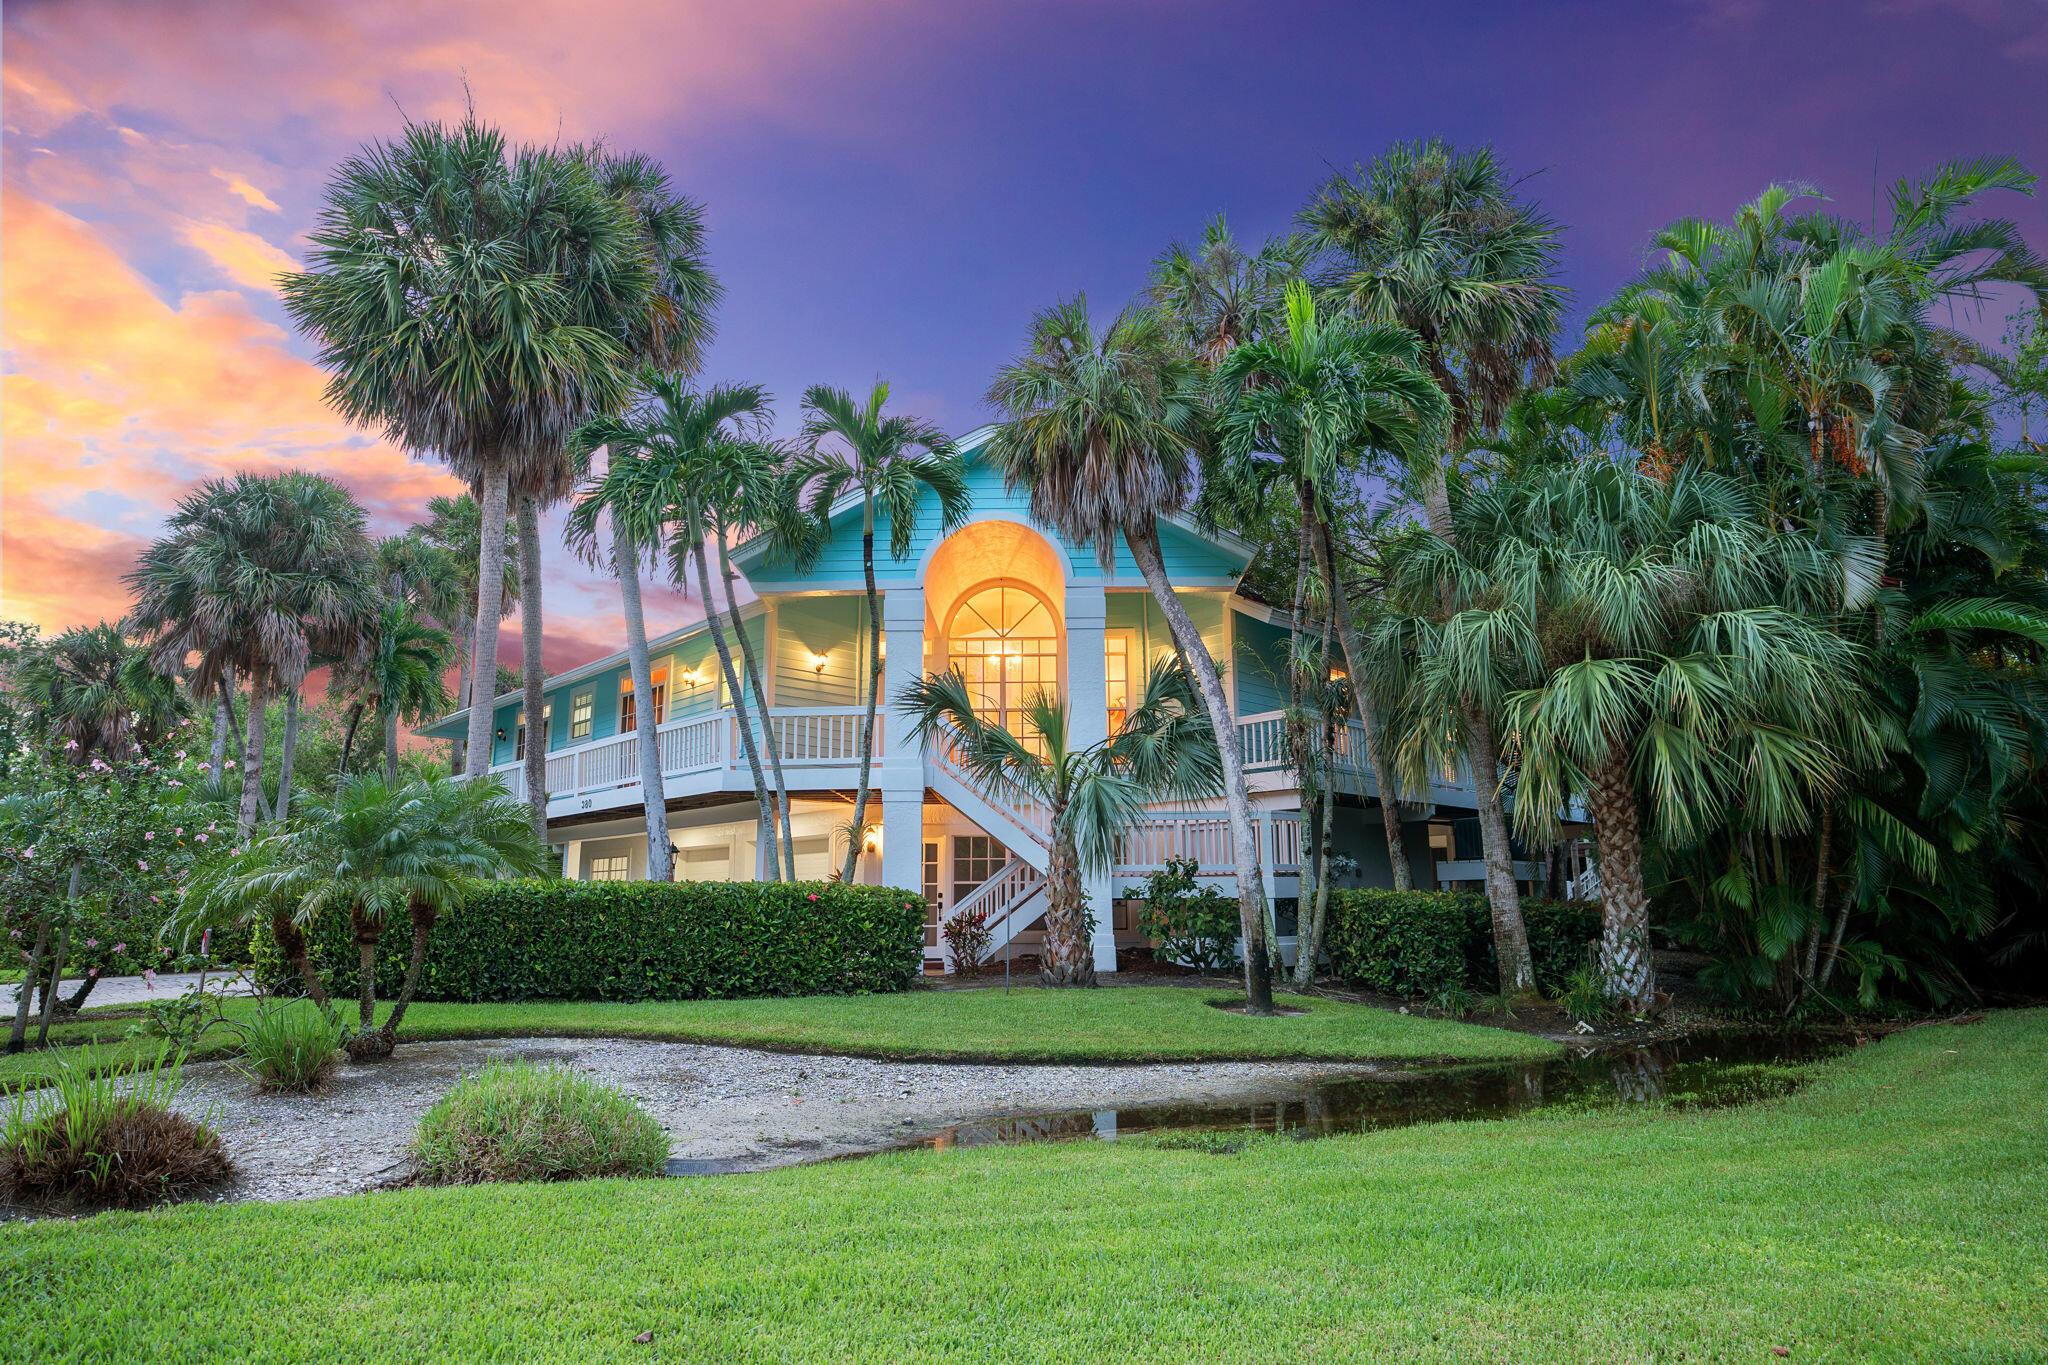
(1017, 609)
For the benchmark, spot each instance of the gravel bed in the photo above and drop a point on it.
(726, 1109)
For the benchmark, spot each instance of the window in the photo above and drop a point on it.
(976, 858)
(610, 869)
(547, 714)
(1116, 675)
(580, 707)
(629, 713)
(1006, 643)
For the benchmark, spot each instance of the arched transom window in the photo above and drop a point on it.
(1005, 641)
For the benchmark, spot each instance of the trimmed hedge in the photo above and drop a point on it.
(569, 940)
(1416, 942)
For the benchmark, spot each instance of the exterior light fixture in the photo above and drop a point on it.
(818, 662)
(873, 842)
(501, 734)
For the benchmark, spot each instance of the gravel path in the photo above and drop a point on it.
(134, 990)
(726, 1109)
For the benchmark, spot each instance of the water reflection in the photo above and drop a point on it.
(1701, 1071)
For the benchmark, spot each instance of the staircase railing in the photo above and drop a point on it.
(1030, 815)
(1012, 890)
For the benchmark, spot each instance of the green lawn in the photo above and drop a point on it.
(1136, 1023)
(1891, 1211)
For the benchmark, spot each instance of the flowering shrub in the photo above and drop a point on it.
(968, 939)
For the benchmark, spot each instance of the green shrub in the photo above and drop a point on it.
(517, 1121)
(1422, 943)
(107, 1140)
(291, 1045)
(1195, 925)
(565, 940)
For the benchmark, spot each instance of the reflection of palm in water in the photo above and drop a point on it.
(1639, 1076)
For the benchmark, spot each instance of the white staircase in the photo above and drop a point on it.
(1012, 899)
(1015, 818)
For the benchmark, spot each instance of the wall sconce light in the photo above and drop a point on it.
(873, 842)
(818, 662)
(501, 734)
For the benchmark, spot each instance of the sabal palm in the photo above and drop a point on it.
(455, 526)
(251, 572)
(94, 689)
(670, 460)
(396, 675)
(375, 849)
(1658, 652)
(1102, 429)
(466, 298)
(892, 464)
(1438, 240)
(1217, 295)
(1301, 414)
(1165, 750)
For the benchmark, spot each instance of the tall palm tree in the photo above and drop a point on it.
(1437, 240)
(454, 525)
(1321, 396)
(1164, 750)
(91, 687)
(396, 675)
(251, 573)
(891, 463)
(1217, 295)
(1102, 429)
(375, 848)
(673, 455)
(466, 298)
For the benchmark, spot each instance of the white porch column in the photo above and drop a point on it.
(1088, 723)
(902, 766)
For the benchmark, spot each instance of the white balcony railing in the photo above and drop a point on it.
(806, 736)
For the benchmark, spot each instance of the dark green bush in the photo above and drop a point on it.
(566, 940)
(1425, 942)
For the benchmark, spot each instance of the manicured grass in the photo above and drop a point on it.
(1135, 1023)
(1891, 1211)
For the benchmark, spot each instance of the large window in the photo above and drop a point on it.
(547, 713)
(610, 869)
(629, 713)
(1006, 643)
(976, 858)
(1117, 653)
(580, 707)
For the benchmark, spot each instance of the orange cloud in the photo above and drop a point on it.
(245, 191)
(243, 257)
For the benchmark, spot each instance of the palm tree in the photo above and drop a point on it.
(1101, 430)
(1217, 295)
(1659, 652)
(1164, 750)
(1320, 396)
(1436, 240)
(890, 463)
(395, 674)
(374, 848)
(454, 525)
(674, 455)
(253, 574)
(467, 299)
(92, 688)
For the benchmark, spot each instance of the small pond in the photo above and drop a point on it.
(1700, 1071)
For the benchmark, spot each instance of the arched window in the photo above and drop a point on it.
(1005, 640)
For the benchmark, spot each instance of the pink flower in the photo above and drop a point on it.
(14, 933)
(70, 744)
(167, 952)
(155, 897)
(148, 979)
(143, 864)
(94, 972)
(174, 782)
(201, 837)
(181, 753)
(813, 896)
(148, 836)
(120, 947)
(92, 943)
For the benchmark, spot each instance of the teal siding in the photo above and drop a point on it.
(1140, 613)
(808, 628)
(1261, 666)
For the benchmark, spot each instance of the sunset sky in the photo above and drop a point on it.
(892, 188)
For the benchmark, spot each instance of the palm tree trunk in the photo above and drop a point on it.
(17, 1032)
(366, 969)
(348, 734)
(1624, 901)
(465, 634)
(391, 746)
(1143, 538)
(291, 941)
(1381, 772)
(252, 759)
(1510, 934)
(422, 925)
(647, 743)
(765, 821)
(287, 752)
(531, 672)
(867, 725)
(760, 696)
(223, 718)
(1069, 959)
(490, 597)
(55, 978)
